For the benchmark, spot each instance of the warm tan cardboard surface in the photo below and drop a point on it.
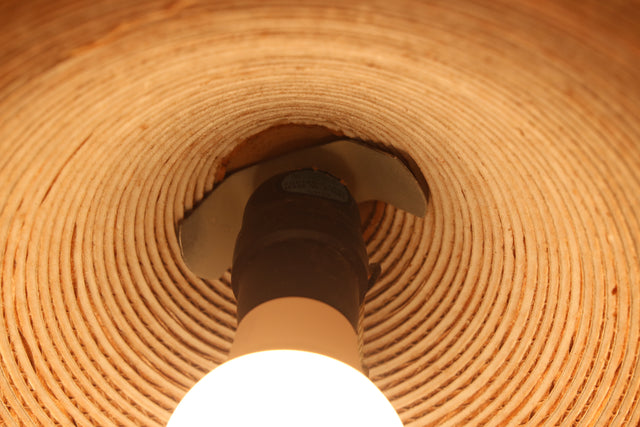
(517, 298)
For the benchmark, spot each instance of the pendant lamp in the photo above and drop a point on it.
(514, 300)
(300, 273)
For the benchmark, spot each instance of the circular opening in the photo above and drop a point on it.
(281, 139)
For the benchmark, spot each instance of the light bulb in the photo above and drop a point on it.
(300, 273)
(284, 388)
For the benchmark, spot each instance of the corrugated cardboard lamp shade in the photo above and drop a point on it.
(515, 300)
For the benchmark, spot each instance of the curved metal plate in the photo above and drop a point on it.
(208, 234)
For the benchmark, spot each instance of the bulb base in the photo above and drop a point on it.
(295, 323)
(301, 237)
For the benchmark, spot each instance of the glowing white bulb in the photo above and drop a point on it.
(284, 388)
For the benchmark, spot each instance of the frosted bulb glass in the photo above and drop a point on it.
(284, 388)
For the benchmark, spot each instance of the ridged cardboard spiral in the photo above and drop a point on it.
(515, 300)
